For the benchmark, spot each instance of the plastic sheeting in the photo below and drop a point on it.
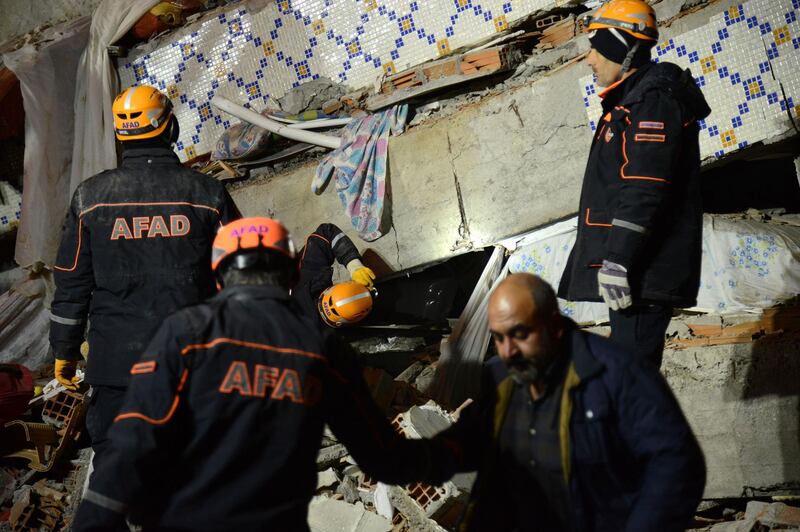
(24, 323)
(462, 353)
(46, 71)
(544, 253)
(97, 85)
(748, 265)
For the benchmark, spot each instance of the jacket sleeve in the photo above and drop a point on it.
(651, 143)
(470, 438)
(229, 211)
(358, 423)
(327, 243)
(150, 421)
(74, 280)
(654, 429)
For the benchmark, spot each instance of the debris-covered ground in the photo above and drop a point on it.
(44, 461)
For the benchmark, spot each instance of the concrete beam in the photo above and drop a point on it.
(511, 162)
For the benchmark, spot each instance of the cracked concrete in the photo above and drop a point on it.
(742, 402)
(463, 241)
(455, 183)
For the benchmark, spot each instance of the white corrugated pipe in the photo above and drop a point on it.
(283, 130)
(312, 124)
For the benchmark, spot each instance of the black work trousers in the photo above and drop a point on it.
(640, 329)
(104, 406)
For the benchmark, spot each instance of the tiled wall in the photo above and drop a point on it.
(252, 57)
(747, 62)
(10, 205)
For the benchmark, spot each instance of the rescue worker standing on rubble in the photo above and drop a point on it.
(136, 246)
(340, 304)
(571, 433)
(223, 419)
(638, 246)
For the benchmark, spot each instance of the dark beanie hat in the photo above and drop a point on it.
(614, 50)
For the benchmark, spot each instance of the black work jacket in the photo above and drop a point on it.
(640, 204)
(629, 458)
(136, 246)
(326, 244)
(223, 420)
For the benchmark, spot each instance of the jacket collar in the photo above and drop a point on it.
(254, 292)
(586, 365)
(149, 155)
(614, 94)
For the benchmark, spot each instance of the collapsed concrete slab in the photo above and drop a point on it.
(329, 515)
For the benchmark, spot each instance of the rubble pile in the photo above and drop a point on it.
(41, 472)
(758, 516)
(347, 499)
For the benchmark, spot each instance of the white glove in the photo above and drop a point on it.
(612, 284)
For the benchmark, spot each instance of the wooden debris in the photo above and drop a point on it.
(772, 321)
(222, 171)
(436, 75)
(34, 511)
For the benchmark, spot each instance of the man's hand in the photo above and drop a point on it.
(612, 283)
(360, 273)
(65, 373)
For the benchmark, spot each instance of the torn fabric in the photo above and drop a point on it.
(95, 148)
(46, 71)
(359, 168)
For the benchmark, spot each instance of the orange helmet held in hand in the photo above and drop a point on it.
(344, 303)
(141, 112)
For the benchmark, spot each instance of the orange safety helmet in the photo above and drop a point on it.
(634, 17)
(344, 303)
(241, 239)
(141, 112)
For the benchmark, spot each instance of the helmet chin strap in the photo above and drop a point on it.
(173, 130)
(626, 64)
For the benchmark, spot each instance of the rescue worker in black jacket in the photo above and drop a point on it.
(223, 418)
(350, 301)
(638, 246)
(136, 246)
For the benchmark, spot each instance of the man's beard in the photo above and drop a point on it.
(525, 371)
(534, 369)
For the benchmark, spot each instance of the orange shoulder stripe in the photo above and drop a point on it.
(254, 345)
(170, 413)
(305, 248)
(148, 204)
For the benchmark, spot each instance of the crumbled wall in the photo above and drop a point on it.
(743, 403)
(253, 57)
(21, 16)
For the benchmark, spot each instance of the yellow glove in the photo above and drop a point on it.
(65, 373)
(364, 276)
(360, 273)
